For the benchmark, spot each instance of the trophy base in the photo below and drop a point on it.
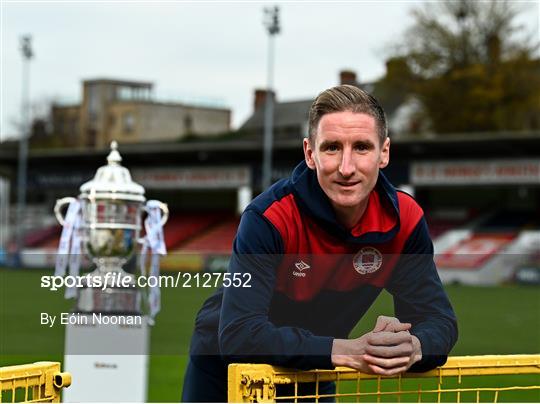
(109, 361)
(109, 300)
(117, 294)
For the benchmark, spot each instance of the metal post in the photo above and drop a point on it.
(26, 48)
(272, 24)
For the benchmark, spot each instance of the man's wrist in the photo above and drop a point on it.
(417, 349)
(341, 351)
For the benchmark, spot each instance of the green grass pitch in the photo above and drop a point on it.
(494, 320)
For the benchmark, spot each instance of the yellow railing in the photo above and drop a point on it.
(36, 382)
(461, 379)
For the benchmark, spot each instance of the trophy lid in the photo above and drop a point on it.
(113, 181)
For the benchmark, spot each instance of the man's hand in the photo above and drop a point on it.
(385, 323)
(387, 350)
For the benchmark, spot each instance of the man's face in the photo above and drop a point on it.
(346, 154)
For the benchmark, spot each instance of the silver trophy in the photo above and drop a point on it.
(112, 206)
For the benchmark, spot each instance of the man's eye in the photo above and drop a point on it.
(331, 148)
(361, 147)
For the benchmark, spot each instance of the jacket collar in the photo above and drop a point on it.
(379, 223)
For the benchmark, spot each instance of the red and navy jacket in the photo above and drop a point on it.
(311, 280)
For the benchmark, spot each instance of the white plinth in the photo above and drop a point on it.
(108, 362)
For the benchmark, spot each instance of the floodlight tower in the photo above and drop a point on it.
(271, 22)
(27, 54)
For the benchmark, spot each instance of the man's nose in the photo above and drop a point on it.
(346, 168)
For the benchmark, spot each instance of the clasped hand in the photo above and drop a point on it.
(387, 350)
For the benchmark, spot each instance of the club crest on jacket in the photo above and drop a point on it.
(367, 260)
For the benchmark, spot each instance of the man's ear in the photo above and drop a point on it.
(385, 153)
(308, 154)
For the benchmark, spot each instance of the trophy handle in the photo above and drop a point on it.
(164, 212)
(58, 207)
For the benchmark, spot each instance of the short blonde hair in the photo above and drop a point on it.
(346, 98)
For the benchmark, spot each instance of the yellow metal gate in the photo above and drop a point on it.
(36, 382)
(487, 378)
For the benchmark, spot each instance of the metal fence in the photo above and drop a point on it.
(489, 378)
(39, 382)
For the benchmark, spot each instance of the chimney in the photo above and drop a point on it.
(347, 77)
(260, 98)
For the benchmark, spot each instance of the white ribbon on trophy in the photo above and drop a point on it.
(75, 254)
(69, 249)
(154, 241)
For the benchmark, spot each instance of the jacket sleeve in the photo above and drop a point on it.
(245, 331)
(419, 298)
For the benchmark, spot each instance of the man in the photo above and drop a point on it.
(316, 250)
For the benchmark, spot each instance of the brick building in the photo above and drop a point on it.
(126, 111)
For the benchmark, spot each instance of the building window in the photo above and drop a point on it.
(73, 127)
(128, 122)
(93, 103)
(130, 93)
(188, 123)
(112, 120)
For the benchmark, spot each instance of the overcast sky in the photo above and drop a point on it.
(210, 52)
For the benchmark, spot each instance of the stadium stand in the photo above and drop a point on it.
(490, 249)
(184, 226)
(469, 248)
(217, 239)
(190, 238)
(438, 226)
(474, 251)
(179, 228)
(506, 220)
(51, 243)
(442, 221)
(43, 237)
(199, 248)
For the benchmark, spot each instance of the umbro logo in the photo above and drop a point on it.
(301, 266)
